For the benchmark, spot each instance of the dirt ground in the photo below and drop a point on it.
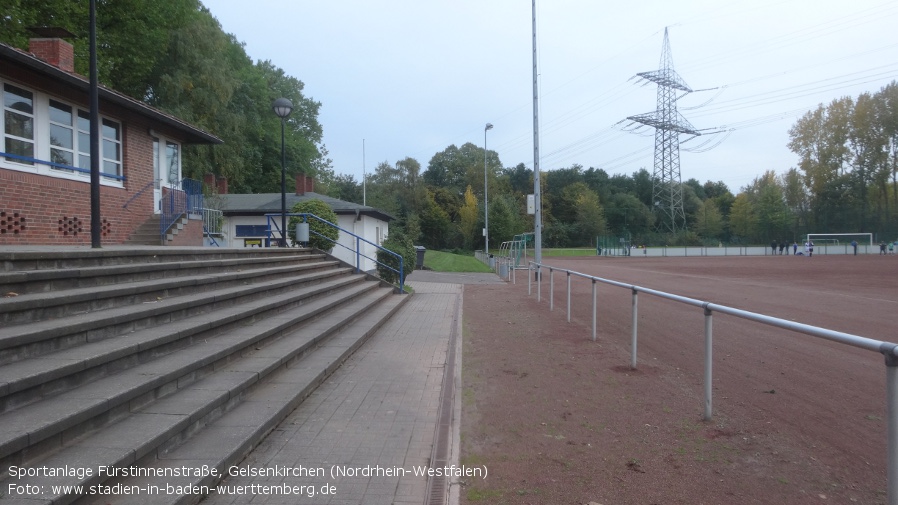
(557, 418)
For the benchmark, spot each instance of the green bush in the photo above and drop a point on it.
(400, 244)
(322, 210)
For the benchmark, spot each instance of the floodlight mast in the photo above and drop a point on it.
(667, 193)
(537, 200)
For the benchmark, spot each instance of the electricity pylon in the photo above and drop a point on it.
(667, 193)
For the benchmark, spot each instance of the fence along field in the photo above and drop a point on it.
(845, 299)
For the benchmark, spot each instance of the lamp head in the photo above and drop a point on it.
(282, 107)
(489, 126)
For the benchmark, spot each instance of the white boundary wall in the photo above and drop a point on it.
(680, 251)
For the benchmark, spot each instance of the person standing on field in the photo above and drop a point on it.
(854, 246)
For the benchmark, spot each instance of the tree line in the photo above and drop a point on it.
(845, 181)
(174, 55)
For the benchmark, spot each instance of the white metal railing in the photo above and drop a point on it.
(888, 349)
(212, 221)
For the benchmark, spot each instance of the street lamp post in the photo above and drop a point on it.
(282, 108)
(486, 208)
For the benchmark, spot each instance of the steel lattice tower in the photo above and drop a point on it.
(667, 193)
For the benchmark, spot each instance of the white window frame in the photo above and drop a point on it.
(43, 146)
(30, 115)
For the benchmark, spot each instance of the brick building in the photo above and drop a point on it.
(45, 155)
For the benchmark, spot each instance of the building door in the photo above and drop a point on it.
(166, 170)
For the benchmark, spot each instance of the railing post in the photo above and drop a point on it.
(888, 350)
(539, 284)
(358, 255)
(593, 310)
(568, 297)
(633, 336)
(708, 373)
(551, 289)
(401, 275)
(529, 281)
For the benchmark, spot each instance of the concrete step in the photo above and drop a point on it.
(29, 380)
(32, 307)
(245, 398)
(41, 281)
(93, 404)
(37, 259)
(231, 343)
(19, 342)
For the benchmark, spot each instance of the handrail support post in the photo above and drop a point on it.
(594, 324)
(888, 350)
(633, 336)
(708, 363)
(568, 296)
(551, 289)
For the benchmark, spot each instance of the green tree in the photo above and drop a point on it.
(453, 168)
(436, 226)
(742, 217)
(709, 222)
(470, 219)
(795, 195)
(590, 217)
(505, 220)
(867, 140)
(625, 213)
(771, 216)
(388, 264)
(321, 235)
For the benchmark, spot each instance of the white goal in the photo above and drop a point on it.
(840, 238)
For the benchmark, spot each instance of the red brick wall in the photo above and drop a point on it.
(190, 235)
(37, 209)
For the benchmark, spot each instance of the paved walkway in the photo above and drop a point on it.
(375, 417)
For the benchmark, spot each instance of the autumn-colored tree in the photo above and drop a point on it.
(470, 220)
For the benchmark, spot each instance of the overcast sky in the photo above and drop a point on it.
(412, 77)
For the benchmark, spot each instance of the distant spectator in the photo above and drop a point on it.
(782, 246)
(891, 248)
(882, 248)
(773, 247)
(854, 246)
(810, 248)
(795, 248)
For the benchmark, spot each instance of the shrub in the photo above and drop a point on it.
(322, 210)
(400, 244)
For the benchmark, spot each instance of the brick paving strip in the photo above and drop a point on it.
(378, 413)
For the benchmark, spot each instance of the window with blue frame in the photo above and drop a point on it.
(252, 230)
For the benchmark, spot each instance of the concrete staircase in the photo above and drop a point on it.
(163, 358)
(148, 233)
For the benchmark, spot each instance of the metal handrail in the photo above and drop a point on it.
(173, 206)
(888, 349)
(134, 197)
(59, 165)
(358, 240)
